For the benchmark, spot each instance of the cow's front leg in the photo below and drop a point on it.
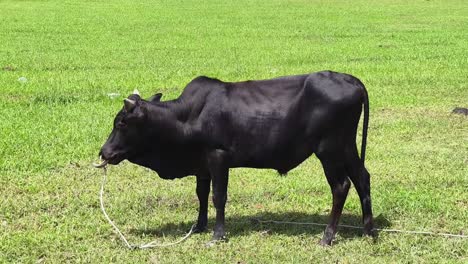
(219, 200)
(203, 191)
(219, 177)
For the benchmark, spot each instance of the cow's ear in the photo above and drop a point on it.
(129, 104)
(156, 97)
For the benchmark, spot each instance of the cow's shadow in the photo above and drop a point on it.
(244, 225)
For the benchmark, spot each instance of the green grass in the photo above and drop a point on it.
(412, 56)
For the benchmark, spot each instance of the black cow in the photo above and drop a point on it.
(276, 123)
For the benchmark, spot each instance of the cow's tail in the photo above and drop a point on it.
(365, 123)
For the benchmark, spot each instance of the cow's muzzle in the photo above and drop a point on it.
(102, 164)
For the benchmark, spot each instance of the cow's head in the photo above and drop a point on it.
(129, 134)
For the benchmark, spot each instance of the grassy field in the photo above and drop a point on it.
(412, 56)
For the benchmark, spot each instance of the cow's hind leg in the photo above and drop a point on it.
(339, 183)
(361, 180)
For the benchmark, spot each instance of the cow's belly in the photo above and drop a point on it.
(272, 147)
(282, 162)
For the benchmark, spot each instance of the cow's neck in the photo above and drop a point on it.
(171, 151)
(165, 122)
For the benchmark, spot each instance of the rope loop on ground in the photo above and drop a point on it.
(151, 244)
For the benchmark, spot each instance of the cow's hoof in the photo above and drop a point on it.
(221, 238)
(327, 237)
(325, 242)
(215, 241)
(373, 235)
(219, 234)
(369, 232)
(199, 229)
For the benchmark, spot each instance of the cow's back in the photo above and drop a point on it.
(268, 123)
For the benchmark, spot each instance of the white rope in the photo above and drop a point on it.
(358, 227)
(155, 243)
(142, 246)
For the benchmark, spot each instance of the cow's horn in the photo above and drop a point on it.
(129, 104)
(136, 92)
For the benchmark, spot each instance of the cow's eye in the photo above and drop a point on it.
(121, 124)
